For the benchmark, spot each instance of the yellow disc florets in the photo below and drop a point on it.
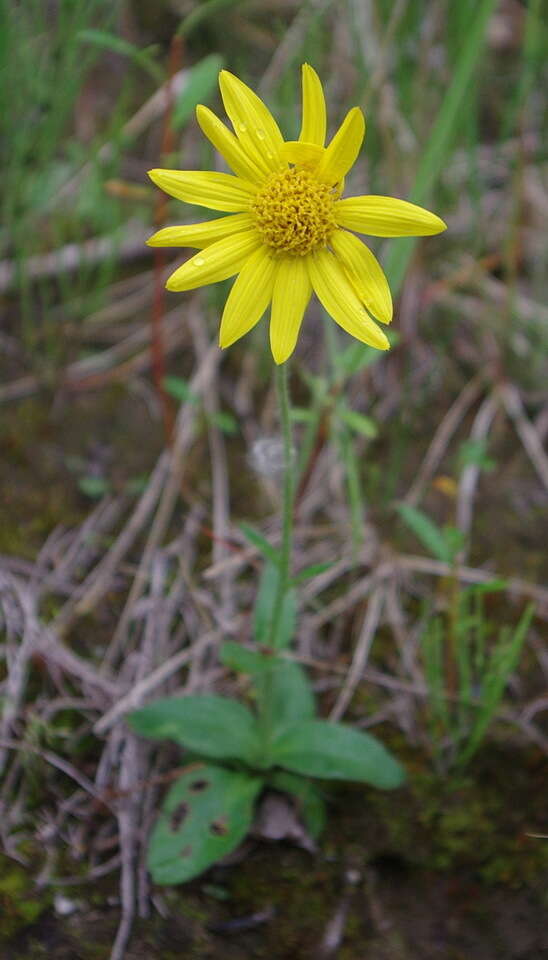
(294, 212)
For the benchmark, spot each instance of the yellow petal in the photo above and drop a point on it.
(365, 273)
(219, 191)
(292, 291)
(201, 234)
(305, 154)
(387, 217)
(249, 297)
(341, 153)
(336, 294)
(253, 123)
(314, 111)
(228, 145)
(219, 261)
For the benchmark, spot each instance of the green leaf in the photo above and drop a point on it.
(503, 662)
(474, 453)
(440, 142)
(427, 532)
(355, 358)
(310, 803)
(209, 725)
(94, 486)
(455, 540)
(264, 610)
(307, 573)
(109, 41)
(492, 586)
(302, 415)
(243, 660)
(180, 390)
(291, 695)
(318, 386)
(203, 11)
(199, 88)
(137, 485)
(257, 540)
(226, 422)
(332, 751)
(215, 891)
(205, 815)
(358, 422)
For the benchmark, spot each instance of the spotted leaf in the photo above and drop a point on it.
(205, 815)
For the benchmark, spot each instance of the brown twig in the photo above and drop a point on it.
(74, 255)
(361, 653)
(526, 431)
(442, 438)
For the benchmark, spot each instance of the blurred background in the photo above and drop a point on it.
(133, 451)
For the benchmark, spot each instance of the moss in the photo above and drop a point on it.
(35, 501)
(99, 431)
(20, 904)
(420, 843)
(477, 822)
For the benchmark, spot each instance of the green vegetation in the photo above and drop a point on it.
(413, 612)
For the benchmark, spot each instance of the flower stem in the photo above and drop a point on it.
(264, 687)
(284, 569)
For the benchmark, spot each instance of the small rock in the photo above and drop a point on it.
(64, 906)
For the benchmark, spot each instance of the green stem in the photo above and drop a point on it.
(284, 569)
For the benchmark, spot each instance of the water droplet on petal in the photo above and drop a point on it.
(199, 261)
(242, 127)
(260, 133)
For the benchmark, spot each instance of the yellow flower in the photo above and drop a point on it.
(288, 232)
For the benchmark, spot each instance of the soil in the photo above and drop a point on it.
(446, 868)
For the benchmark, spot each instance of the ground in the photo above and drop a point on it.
(433, 870)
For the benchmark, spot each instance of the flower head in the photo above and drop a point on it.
(288, 232)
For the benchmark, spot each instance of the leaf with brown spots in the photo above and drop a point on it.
(218, 827)
(178, 816)
(198, 786)
(205, 815)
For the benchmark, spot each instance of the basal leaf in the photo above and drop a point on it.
(310, 803)
(205, 815)
(317, 748)
(209, 725)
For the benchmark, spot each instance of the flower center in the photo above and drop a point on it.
(294, 212)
